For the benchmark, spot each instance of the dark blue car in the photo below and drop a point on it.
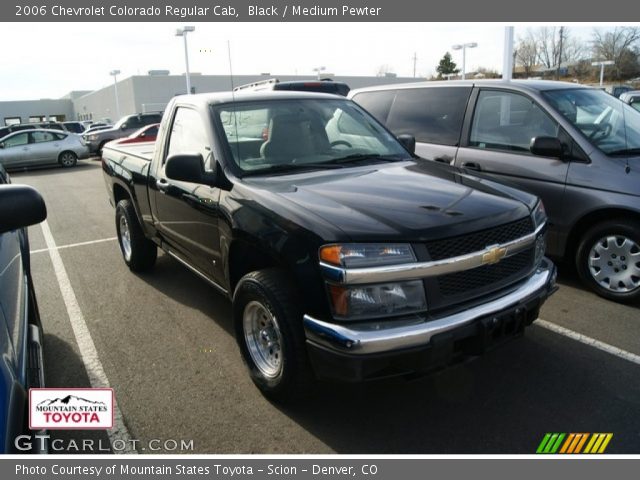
(20, 326)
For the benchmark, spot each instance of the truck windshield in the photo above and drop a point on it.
(609, 124)
(281, 135)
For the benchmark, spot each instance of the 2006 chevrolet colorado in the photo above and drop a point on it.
(345, 256)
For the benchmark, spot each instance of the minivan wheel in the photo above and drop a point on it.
(608, 260)
(67, 159)
(268, 328)
(138, 252)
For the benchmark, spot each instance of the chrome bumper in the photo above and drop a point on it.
(393, 335)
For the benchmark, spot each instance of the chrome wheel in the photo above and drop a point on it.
(614, 263)
(263, 339)
(125, 238)
(67, 159)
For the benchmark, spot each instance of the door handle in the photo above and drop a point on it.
(443, 159)
(162, 185)
(471, 166)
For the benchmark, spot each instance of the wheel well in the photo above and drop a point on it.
(591, 219)
(245, 258)
(119, 193)
(66, 151)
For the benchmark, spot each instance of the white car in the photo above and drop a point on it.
(41, 146)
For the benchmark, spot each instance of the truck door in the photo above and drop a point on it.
(187, 213)
(498, 141)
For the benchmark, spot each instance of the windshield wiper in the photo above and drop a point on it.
(624, 152)
(289, 167)
(356, 157)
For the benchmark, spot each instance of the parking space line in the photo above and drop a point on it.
(80, 244)
(95, 371)
(592, 342)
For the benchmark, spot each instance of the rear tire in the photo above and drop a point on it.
(608, 260)
(139, 253)
(269, 332)
(67, 159)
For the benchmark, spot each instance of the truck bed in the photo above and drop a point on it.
(142, 150)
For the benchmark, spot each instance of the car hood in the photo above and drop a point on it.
(408, 201)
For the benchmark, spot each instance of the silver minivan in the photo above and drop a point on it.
(578, 148)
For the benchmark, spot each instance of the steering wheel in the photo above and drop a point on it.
(604, 128)
(341, 142)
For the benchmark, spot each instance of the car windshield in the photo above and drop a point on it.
(294, 134)
(609, 124)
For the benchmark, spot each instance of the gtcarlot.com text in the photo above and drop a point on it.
(57, 445)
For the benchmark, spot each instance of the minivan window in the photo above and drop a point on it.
(377, 103)
(609, 124)
(508, 121)
(431, 115)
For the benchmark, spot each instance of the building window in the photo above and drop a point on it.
(12, 120)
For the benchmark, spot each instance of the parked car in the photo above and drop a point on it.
(40, 147)
(95, 128)
(577, 148)
(345, 257)
(74, 127)
(321, 86)
(4, 131)
(631, 98)
(617, 90)
(20, 326)
(123, 127)
(145, 134)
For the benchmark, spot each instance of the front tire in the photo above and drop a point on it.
(268, 328)
(608, 260)
(67, 159)
(139, 253)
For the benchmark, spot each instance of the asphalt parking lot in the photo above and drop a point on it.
(164, 342)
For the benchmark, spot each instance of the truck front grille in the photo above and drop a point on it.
(488, 275)
(455, 288)
(474, 242)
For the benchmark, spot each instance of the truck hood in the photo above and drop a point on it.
(408, 201)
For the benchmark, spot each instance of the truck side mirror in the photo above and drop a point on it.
(20, 206)
(186, 167)
(546, 147)
(409, 142)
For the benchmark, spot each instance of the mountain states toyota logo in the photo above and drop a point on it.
(70, 409)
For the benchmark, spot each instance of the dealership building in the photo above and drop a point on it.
(145, 93)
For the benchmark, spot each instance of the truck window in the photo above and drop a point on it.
(188, 134)
(508, 121)
(431, 115)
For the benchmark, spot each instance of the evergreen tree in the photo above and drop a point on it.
(446, 66)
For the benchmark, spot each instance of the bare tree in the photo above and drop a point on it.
(526, 52)
(620, 45)
(554, 50)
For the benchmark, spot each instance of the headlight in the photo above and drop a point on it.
(91, 138)
(375, 301)
(358, 255)
(539, 214)
(539, 217)
(357, 302)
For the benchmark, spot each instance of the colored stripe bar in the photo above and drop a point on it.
(555, 447)
(604, 445)
(567, 443)
(590, 444)
(543, 443)
(581, 443)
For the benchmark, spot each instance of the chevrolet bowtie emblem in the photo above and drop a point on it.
(494, 255)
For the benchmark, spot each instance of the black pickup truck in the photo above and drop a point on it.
(345, 256)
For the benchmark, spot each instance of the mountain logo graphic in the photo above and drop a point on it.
(71, 408)
(69, 400)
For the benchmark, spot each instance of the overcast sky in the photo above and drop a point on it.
(47, 60)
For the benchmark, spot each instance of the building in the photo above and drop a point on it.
(145, 93)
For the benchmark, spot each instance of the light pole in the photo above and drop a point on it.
(319, 70)
(182, 32)
(464, 47)
(602, 65)
(114, 74)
